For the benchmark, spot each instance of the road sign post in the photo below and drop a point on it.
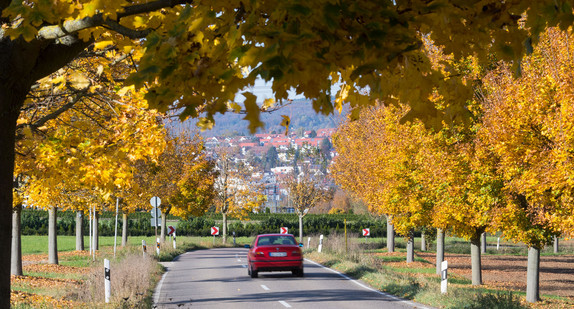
(155, 202)
(366, 233)
(214, 232)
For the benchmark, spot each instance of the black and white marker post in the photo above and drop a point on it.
(157, 246)
(443, 276)
(174, 246)
(320, 244)
(108, 284)
(143, 247)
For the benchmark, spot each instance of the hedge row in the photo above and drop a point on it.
(35, 222)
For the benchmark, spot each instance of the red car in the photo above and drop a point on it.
(275, 252)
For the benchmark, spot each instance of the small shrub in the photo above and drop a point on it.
(496, 301)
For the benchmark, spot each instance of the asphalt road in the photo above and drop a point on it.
(217, 278)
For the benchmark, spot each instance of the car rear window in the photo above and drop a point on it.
(275, 240)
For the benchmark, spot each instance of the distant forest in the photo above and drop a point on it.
(301, 112)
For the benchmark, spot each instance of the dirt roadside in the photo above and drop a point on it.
(509, 271)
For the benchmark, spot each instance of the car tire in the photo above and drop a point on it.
(252, 273)
(300, 273)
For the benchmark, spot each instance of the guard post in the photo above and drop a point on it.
(107, 284)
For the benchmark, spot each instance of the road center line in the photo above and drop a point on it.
(284, 304)
(265, 287)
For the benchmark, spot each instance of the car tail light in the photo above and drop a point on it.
(259, 253)
(296, 253)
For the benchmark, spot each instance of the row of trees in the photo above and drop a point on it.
(195, 57)
(508, 170)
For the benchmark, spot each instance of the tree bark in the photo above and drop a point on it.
(423, 241)
(163, 223)
(15, 83)
(483, 243)
(533, 275)
(224, 229)
(16, 264)
(21, 64)
(124, 229)
(475, 260)
(390, 236)
(79, 231)
(439, 250)
(96, 235)
(52, 235)
(300, 228)
(411, 247)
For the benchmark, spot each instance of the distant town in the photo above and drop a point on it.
(271, 156)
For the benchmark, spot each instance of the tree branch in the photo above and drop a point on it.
(73, 26)
(52, 115)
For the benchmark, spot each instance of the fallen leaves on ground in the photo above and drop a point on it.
(22, 298)
(54, 268)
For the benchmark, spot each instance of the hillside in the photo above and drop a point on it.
(300, 111)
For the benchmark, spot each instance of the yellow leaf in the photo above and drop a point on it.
(102, 44)
(78, 81)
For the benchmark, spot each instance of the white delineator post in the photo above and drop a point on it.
(143, 247)
(498, 244)
(174, 246)
(108, 284)
(90, 211)
(157, 245)
(320, 244)
(308, 242)
(443, 276)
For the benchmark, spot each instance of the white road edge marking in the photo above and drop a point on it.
(284, 304)
(158, 290)
(393, 297)
(265, 287)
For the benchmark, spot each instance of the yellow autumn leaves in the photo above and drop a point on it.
(84, 144)
(510, 170)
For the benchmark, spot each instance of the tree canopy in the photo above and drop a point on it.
(194, 57)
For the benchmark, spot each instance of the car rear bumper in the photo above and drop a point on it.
(266, 265)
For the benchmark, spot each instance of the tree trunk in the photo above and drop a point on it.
(439, 250)
(21, 64)
(124, 229)
(556, 245)
(475, 260)
(163, 223)
(390, 236)
(483, 243)
(300, 229)
(533, 275)
(52, 235)
(79, 230)
(96, 234)
(224, 229)
(16, 264)
(411, 247)
(423, 241)
(13, 89)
